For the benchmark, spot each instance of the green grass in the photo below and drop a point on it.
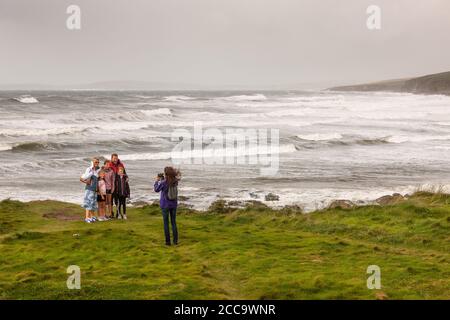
(254, 253)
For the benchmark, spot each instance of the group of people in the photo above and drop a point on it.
(105, 187)
(108, 186)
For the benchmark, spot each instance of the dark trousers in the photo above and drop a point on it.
(172, 213)
(121, 206)
(115, 202)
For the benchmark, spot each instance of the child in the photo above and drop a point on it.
(122, 192)
(110, 184)
(89, 178)
(101, 196)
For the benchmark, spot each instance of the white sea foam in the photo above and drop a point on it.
(253, 97)
(28, 132)
(178, 98)
(211, 153)
(154, 112)
(26, 99)
(320, 136)
(5, 146)
(423, 138)
(290, 112)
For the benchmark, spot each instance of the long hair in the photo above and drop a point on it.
(172, 175)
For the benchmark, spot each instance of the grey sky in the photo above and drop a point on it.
(284, 43)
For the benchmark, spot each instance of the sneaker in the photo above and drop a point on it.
(88, 220)
(124, 217)
(94, 219)
(101, 219)
(119, 217)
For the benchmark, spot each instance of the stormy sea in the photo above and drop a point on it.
(332, 145)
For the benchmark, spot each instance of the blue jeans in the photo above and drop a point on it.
(173, 220)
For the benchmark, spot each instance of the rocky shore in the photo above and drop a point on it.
(224, 206)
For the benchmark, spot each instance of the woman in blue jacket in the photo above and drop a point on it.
(167, 186)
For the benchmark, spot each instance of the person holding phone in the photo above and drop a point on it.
(167, 185)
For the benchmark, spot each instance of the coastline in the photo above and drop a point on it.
(270, 202)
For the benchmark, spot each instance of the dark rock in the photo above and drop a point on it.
(185, 205)
(255, 204)
(253, 195)
(220, 206)
(342, 204)
(292, 209)
(236, 203)
(272, 197)
(390, 200)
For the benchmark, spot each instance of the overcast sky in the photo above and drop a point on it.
(222, 42)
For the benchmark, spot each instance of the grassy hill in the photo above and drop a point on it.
(431, 84)
(253, 253)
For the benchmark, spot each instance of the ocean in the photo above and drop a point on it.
(356, 146)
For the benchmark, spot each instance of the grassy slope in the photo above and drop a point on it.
(253, 253)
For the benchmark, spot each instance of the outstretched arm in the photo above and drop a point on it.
(158, 186)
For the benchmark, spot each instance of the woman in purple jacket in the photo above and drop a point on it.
(168, 205)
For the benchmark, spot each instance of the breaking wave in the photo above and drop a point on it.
(178, 98)
(41, 131)
(320, 136)
(26, 99)
(213, 153)
(38, 146)
(253, 97)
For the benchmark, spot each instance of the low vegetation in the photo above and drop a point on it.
(251, 253)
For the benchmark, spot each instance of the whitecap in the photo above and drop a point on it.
(26, 99)
(160, 111)
(320, 136)
(253, 97)
(403, 139)
(5, 147)
(178, 98)
(208, 153)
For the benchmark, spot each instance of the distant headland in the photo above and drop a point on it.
(438, 83)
